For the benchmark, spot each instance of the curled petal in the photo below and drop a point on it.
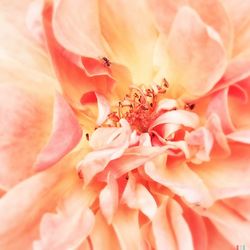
(181, 117)
(102, 103)
(74, 79)
(132, 158)
(240, 136)
(109, 199)
(167, 104)
(202, 139)
(96, 161)
(66, 133)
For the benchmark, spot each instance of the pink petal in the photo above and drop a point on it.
(198, 229)
(108, 199)
(216, 239)
(26, 118)
(219, 105)
(166, 104)
(237, 70)
(190, 63)
(240, 205)
(66, 133)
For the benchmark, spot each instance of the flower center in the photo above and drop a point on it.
(138, 107)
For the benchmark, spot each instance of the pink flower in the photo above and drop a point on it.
(124, 125)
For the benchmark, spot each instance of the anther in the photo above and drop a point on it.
(87, 136)
(165, 83)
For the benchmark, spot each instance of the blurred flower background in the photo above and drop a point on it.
(124, 125)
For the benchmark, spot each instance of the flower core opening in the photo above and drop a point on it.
(138, 107)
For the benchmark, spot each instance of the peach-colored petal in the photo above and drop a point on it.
(228, 177)
(25, 124)
(77, 28)
(73, 79)
(181, 180)
(72, 226)
(66, 133)
(102, 103)
(191, 70)
(108, 199)
(238, 12)
(219, 20)
(126, 226)
(170, 229)
(132, 47)
(201, 140)
(103, 235)
(137, 196)
(33, 197)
